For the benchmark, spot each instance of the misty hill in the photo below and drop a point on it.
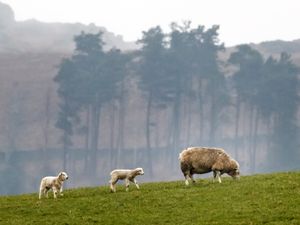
(259, 199)
(35, 36)
(270, 48)
(30, 144)
(276, 47)
(30, 52)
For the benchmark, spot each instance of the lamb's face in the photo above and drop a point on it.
(63, 176)
(140, 171)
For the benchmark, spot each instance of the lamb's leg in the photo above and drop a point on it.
(135, 182)
(46, 192)
(42, 189)
(112, 187)
(127, 184)
(40, 193)
(54, 192)
(113, 184)
(61, 191)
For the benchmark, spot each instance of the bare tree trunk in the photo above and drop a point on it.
(176, 128)
(87, 138)
(47, 119)
(187, 110)
(93, 142)
(253, 153)
(170, 129)
(65, 150)
(250, 136)
(157, 128)
(201, 113)
(45, 129)
(121, 123)
(94, 137)
(213, 119)
(189, 121)
(112, 133)
(237, 124)
(269, 135)
(148, 141)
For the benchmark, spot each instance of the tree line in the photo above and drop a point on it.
(180, 77)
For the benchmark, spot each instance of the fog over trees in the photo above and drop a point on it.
(108, 107)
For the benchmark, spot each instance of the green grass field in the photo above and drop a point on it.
(259, 199)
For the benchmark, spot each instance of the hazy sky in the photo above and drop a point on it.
(241, 21)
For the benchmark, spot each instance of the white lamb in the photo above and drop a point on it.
(128, 175)
(54, 183)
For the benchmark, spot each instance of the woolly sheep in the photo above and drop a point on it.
(199, 160)
(54, 183)
(128, 175)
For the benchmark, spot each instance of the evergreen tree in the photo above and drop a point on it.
(87, 81)
(278, 99)
(153, 79)
(246, 82)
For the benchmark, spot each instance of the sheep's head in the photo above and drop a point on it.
(140, 171)
(234, 170)
(63, 176)
(235, 173)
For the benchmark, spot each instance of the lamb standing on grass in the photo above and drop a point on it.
(199, 160)
(128, 175)
(54, 183)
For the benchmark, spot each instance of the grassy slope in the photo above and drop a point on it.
(259, 199)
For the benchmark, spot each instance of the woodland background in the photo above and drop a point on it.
(78, 98)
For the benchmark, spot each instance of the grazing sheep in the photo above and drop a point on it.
(199, 160)
(54, 183)
(128, 175)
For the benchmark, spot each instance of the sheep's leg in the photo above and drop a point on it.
(218, 175)
(113, 184)
(186, 176)
(214, 176)
(40, 193)
(46, 192)
(61, 191)
(192, 178)
(54, 192)
(135, 182)
(127, 184)
(112, 187)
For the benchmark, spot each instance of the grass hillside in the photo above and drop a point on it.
(259, 199)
